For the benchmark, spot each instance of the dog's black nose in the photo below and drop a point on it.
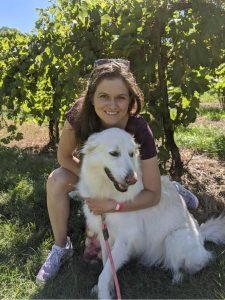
(131, 178)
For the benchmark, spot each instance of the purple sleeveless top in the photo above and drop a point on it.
(136, 126)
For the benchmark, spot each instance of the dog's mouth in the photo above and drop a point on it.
(119, 186)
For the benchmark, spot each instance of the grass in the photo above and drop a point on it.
(23, 211)
(202, 139)
(25, 234)
(25, 238)
(209, 97)
(207, 135)
(212, 114)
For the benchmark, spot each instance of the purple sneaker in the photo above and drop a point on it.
(54, 261)
(190, 199)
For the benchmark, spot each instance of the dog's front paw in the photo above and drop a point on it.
(104, 294)
(94, 291)
(100, 293)
(177, 278)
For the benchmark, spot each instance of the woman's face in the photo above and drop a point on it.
(111, 102)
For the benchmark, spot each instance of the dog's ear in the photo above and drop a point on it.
(90, 145)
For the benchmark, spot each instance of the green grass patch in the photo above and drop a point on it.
(23, 220)
(212, 114)
(209, 97)
(201, 138)
(25, 238)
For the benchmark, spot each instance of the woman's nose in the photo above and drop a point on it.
(112, 103)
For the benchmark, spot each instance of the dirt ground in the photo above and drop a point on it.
(206, 178)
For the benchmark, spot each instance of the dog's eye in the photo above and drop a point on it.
(114, 153)
(131, 154)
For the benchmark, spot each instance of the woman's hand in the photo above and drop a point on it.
(98, 207)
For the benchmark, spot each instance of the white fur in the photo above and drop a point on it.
(166, 234)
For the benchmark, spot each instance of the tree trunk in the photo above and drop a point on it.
(53, 128)
(176, 165)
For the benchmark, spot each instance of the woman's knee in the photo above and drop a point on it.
(61, 179)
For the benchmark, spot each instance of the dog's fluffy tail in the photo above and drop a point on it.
(213, 230)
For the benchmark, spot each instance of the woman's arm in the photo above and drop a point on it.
(148, 197)
(151, 193)
(66, 147)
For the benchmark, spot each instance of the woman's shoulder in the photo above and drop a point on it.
(140, 129)
(75, 108)
(137, 119)
(137, 123)
(76, 104)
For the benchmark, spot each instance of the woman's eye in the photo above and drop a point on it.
(114, 153)
(122, 98)
(103, 97)
(131, 154)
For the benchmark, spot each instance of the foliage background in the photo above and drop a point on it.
(176, 49)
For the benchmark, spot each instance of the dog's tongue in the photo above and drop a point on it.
(122, 187)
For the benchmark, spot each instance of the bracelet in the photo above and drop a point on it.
(119, 206)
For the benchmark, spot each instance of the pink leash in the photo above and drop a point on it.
(106, 238)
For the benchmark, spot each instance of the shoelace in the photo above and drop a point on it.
(54, 257)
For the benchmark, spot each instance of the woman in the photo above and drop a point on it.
(112, 99)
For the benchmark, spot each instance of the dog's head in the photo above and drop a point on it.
(114, 154)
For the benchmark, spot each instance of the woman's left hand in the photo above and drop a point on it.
(100, 207)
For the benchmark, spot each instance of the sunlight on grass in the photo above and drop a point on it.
(208, 97)
(14, 276)
(15, 284)
(13, 233)
(23, 221)
(202, 138)
(212, 114)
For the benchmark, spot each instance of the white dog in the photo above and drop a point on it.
(166, 234)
